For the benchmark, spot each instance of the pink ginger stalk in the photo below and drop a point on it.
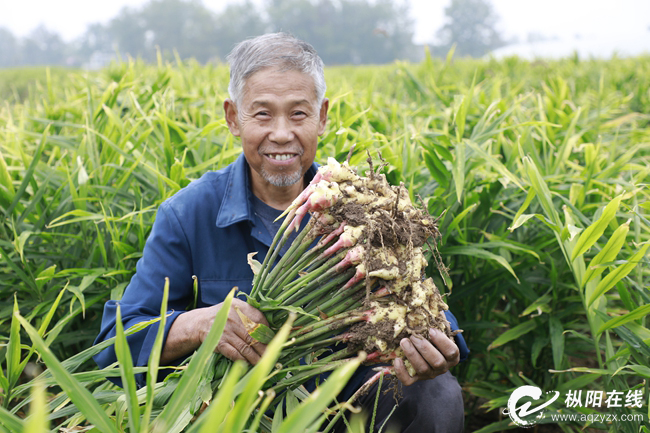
(347, 239)
(381, 371)
(344, 337)
(353, 257)
(358, 276)
(326, 240)
(319, 198)
(378, 356)
(367, 315)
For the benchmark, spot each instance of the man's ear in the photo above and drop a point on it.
(323, 116)
(231, 116)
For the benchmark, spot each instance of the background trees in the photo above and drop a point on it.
(471, 25)
(343, 32)
(8, 48)
(347, 31)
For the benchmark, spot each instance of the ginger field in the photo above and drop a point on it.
(539, 172)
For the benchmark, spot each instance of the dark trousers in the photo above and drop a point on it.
(434, 406)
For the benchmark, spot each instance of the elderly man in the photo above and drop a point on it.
(278, 108)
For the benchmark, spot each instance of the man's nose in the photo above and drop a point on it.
(282, 131)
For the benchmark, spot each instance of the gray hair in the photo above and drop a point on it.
(279, 50)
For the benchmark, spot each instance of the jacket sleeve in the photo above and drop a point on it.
(166, 254)
(460, 341)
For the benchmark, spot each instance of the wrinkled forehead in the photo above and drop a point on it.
(272, 75)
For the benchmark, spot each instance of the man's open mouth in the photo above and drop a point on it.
(281, 156)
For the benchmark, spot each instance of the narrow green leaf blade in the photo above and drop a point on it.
(278, 418)
(461, 115)
(617, 274)
(638, 313)
(125, 362)
(517, 220)
(596, 230)
(479, 252)
(5, 177)
(458, 218)
(37, 422)
(511, 334)
(27, 177)
(540, 304)
(13, 348)
(154, 359)
(10, 421)
(50, 314)
(15, 268)
(458, 170)
(557, 341)
(641, 370)
(607, 254)
(262, 333)
(633, 340)
(542, 191)
(521, 220)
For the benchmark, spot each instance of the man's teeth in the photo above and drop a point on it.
(281, 157)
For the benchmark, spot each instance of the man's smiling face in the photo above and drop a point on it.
(279, 121)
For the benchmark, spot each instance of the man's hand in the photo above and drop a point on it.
(236, 343)
(190, 329)
(429, 358)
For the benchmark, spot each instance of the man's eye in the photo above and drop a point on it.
(262, 114)
(299, 114)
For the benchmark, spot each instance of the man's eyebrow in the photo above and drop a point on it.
(265, 103)
(302, 102)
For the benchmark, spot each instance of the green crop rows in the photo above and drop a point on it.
(540, 168)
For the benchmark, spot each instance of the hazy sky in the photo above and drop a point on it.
(562, 18)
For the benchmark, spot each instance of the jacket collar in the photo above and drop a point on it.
(233, 208)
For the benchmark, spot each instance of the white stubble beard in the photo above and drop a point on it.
(282, 179)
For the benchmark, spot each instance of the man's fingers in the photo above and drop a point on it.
(428, 358)
(430, 355)
(240, 331)
(446, 346)
(260, 348)
(417, 361)
(256, 315)
(236, 343)
(236, 349)
(243, 342)
(255, 345)
(401, 373)
(247, 352)
(229, 351)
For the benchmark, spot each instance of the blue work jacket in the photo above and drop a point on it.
(206, 231)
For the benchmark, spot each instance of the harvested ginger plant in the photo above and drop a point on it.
(355, 272)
